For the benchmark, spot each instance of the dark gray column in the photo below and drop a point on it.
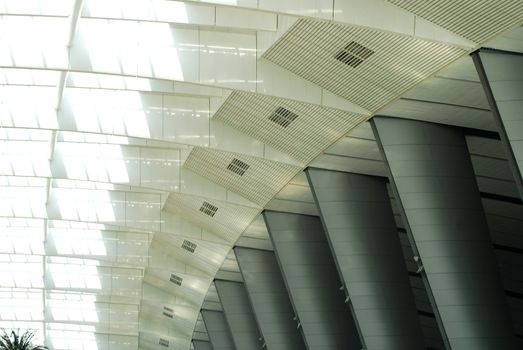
(359, 223)
(201, 345)
(239, 315)
(218, 330)
(501, 74)
(269, 299)
(312, 281)
(432, 176)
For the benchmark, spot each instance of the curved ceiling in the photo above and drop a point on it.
(141, 138)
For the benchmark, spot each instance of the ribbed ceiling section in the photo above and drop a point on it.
(299, 129)
(256, 179)
(472, 19)
(225, 219)
(368, 67)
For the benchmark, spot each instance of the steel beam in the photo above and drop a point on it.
(218, 330)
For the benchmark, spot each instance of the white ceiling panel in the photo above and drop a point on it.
(373, 67)
(256, 179)
(441, 113)
(299, 129)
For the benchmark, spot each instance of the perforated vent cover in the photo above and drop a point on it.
(283, 117)
(353, 54)
(238, 167)
(168, 312)
(472, 19)
(208, 209)
(188, 245)
(303, 138)
(229, 222)
(311, 49)
(163, 342)
(263, 181)
(176, 279)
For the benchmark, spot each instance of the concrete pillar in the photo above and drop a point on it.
(432, 176)
(501, 74)
(239, 315)
(269, 299)
(218, 330)
(359, 222)
(313, 283)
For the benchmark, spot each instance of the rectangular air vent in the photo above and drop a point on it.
(283, 117)
(176, 279)
(238, 167)
(209, 209)
(163, 342)
(189, 246)
(168, 312)
(354, 54)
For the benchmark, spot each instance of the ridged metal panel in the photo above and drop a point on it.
(399, 62)
(259, 183)
(229, 221)
(472, 19)
(239, 315)
(312, 281)
(314, 129)
(432, 175)
(269, 299)
(359, 223)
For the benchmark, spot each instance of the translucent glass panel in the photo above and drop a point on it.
(21, 305)
(28, 106)
(128, 248)
(27, 41)
(37, 7)
(141, 166)
(22, 236)
(22, 197)
(91, 276)
(15, 76)
(21, 271)
(138, 114)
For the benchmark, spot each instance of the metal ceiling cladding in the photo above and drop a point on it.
(398, 62)
(260, 180)
(229, 221)
(299, 129)
(472, 19)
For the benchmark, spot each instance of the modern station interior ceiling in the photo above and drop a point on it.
(126, 123)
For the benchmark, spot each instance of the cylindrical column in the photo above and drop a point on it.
(501, 74)
(432, 175)
(313, 283)
(239, 315)
(218, 330)
(269, 299)
(359, 223)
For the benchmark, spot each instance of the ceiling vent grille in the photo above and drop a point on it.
(168, 312)
(189, 246)
(163, 342)
(176, 279)
(283, 117)
(238, 167)
(354, 54)
(208, 209)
